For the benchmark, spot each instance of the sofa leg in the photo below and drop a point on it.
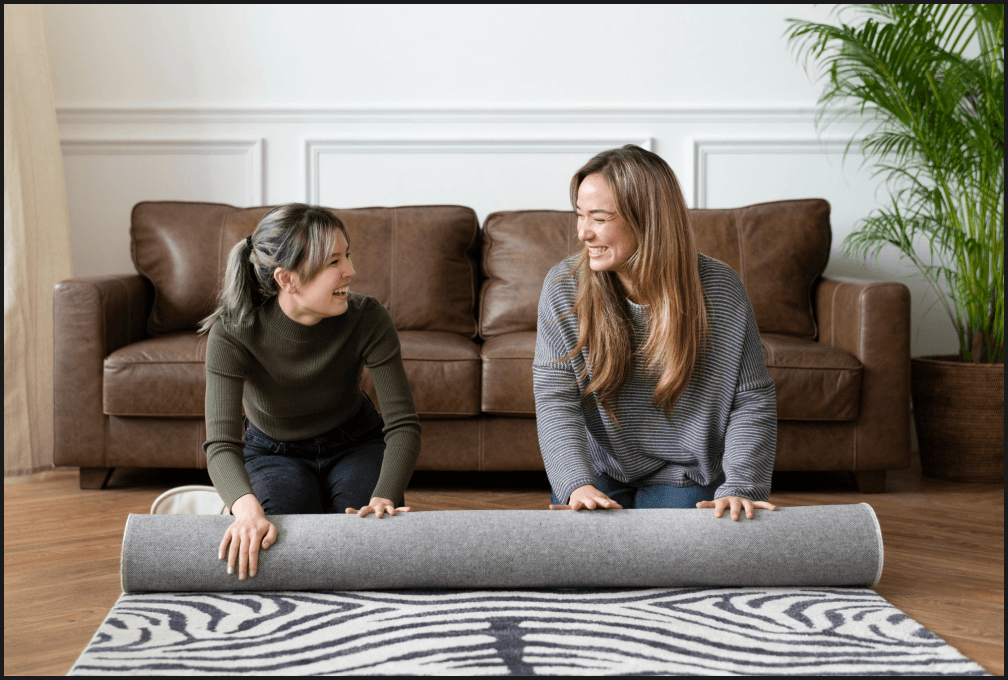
(872, 481)
(94, 477)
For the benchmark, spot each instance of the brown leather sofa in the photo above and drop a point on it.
(129, 374)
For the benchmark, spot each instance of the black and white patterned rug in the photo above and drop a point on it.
(764, 631)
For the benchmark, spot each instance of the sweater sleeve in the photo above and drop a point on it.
(560, 420)
(382, 354)
(226, 363)
(751, 434)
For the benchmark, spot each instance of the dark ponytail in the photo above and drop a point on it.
(296, 237)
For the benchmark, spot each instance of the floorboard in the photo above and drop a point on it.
(944, 549)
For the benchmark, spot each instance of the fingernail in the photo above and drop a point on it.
(230, 570)
(251, 573)
(220, 556)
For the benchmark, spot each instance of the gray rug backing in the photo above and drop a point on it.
(834, 545)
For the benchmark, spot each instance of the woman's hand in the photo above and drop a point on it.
(589, 498)
(379, 506)
(736, 504)
(245, 535)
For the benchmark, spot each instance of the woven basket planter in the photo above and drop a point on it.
(959, 413)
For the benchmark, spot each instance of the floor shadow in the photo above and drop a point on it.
(145, 478)
(485, 480)
(839, 481)
(138, 478)
(813, 482)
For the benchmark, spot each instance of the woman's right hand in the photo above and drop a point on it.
(245, 535)
(589, 498)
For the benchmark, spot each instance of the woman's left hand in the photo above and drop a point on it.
(736, 504)
(379, 506)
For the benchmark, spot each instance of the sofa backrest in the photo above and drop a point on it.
(420, 262)
(778, 250)
(519, 249)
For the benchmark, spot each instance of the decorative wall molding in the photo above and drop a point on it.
(589, 113)
(703, 149)
(316, 148)
(253, 150)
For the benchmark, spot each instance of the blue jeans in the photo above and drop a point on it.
(328, 473)
(654, 495)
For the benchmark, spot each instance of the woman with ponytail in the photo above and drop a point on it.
(650, 384)
(288, 341)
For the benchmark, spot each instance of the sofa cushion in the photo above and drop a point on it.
(443, 370)
(519, 249)
(164, 376)
(420, 262)
(180, 248)
(507, 374)
(778, 250)
(812, 381)
(450, 376)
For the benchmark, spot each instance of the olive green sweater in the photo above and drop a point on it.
(299, 381)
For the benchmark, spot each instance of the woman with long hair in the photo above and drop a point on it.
(288, 341)
(649, 378)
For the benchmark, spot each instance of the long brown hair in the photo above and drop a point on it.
(665, 275)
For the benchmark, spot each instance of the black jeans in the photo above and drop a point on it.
(328, 473)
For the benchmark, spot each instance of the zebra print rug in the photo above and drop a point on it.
(765, 631)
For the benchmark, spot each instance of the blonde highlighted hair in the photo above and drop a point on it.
(664, 273)
(296, 237)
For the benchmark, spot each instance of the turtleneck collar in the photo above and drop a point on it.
(287, 328)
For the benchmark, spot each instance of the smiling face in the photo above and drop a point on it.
(325, 295)
(606, 235)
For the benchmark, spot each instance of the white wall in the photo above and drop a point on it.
(490, 107)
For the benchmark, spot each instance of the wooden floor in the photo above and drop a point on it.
(944, 550)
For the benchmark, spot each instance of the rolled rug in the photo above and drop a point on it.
(829, 545)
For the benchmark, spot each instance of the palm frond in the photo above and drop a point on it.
(935, 130)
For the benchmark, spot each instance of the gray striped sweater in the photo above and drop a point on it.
(725, 420)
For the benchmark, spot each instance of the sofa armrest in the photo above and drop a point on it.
(871, 320)
(92, 317)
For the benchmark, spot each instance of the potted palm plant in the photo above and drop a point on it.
(934, 122)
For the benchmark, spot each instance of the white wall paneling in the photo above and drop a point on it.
(484, 174)
(249, 151)
(301, 140)
(702, 150)
(106, 177)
